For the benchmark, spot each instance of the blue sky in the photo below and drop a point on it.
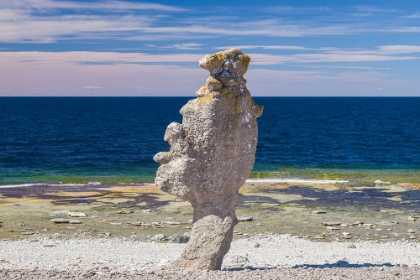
(135, 48)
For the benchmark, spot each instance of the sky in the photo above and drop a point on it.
(136, 48)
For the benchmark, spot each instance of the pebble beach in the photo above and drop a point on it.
(263, 257)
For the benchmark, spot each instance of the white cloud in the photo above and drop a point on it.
(416, 15)
(328, 57)
(53, 20)
(403, 29)
(185, 46)
(84, 57)
(373, 9)
(288, 9)
(92, 87)
(109, 73)
(313, 83)
(74, 5)
(399, 49)
(272, 47)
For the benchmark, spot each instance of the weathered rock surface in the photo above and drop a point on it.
(211, 155)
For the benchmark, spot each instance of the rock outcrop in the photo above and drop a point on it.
(211, 154)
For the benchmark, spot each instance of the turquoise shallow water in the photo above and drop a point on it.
(113, 140)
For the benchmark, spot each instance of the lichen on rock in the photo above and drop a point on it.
(211, 155)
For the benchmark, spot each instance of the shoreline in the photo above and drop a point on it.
(328, 174)
(253, 180)
(250, 180)
(321, 212)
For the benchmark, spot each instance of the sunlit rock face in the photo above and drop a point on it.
(211, 155)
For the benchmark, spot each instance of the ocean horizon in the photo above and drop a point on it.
(112, 140)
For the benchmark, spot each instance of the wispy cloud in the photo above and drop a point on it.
(399, 49)
(74, 5)
(76, 57)
(324, 55)
(185, 46)
(288, 9)
(375, 9)
(269, 47)
(334, 55)
(43, 21)
(314, 83)
(112, 73)
(416, 15)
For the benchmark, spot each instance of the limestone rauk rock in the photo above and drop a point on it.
(211, 154)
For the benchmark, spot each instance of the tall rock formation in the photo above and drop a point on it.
(211, 154)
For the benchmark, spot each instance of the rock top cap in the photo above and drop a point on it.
(227, 67)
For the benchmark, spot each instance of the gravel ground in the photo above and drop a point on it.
(263, 257)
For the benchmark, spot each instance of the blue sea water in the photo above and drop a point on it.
(113, 139)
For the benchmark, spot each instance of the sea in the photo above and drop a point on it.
(112, 140)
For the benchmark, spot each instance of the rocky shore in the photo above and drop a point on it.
(286, 230)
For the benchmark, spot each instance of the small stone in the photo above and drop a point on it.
(331, 223)
(345, 233)
(412, 237)
(76, 214)
(179, 239)
(358, 223)
(27, 233)
(137, 224)
(164, 262)
(386, 223)
(245, 219)
(411, 230)
(319, 237)
(319, 211)
(116, 224)
(332, 228)
(256, 245)
(172, 223)
(158, 237)
(74, 222)
(413, 218)
(60, 221)
(123, 211)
